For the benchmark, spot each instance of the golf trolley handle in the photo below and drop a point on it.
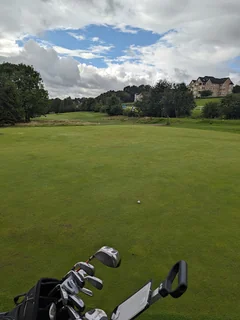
(180, 269)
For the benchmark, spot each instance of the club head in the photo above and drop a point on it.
(70, 286)
(108, 256)
(76, 302)
(73, 313)
(96, 314)
(52, 311)
(95, 282)
(82, 274)
(87, 267)
(64, 296)
(79, 280)
(87, 292)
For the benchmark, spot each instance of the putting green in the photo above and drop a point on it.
(66, 191)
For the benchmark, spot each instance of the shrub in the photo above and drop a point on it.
(114, 110)
(130, 112)
(231, 106)
(206, 93)
(212, 110)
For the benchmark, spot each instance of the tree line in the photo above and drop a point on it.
(23, 96)
(98, 104)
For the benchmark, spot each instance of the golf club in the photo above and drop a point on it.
(52, 311)
(96, 314)
(94, 281)
(75, 301)
(73, 313)
(108, 256)
(64, 296)
(70, 286)
(76, 276)
(87, 267)
(86, 291)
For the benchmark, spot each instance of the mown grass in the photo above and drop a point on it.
(66, 191)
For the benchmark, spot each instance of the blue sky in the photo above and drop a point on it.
(93, 36)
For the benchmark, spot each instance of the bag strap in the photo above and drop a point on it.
(17, 298)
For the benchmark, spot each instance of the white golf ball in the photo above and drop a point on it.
(139, 201)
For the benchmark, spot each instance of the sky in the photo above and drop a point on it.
(86, 47)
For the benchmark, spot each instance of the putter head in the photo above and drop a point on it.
(96, 314)
(108, 256)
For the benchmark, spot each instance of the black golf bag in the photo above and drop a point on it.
(34, 304)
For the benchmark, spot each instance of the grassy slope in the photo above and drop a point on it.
(202, 102)
(65, 191)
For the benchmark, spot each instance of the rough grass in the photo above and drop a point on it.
(66, 191)
(99, 119)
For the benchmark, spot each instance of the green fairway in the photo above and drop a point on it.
(66, 191)
(202, 102)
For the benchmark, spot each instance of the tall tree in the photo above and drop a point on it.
(55, 105)
(10, 109)
(236, 89)
(114, 106)
(33, 97)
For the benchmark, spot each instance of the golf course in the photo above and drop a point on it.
(68, 190)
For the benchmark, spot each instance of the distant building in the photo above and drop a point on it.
(138, 97)
(219, 87)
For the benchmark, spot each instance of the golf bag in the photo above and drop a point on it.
(34, 304)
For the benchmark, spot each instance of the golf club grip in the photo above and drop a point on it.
(180, 269)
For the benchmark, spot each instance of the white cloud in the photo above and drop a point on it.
(93, 52)
(84, 54)
(101, 49)
(207, 38)
(76, 36)
(126, 29)
(60, 75)
(8, 47)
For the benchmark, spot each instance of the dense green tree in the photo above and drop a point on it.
(88, 104)
(212, 110)
(166, 99)
(236, 89)
(114, 106)
(206, 93)
(33, 98)
(230, 106)
(10, 108)
(55, 105)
